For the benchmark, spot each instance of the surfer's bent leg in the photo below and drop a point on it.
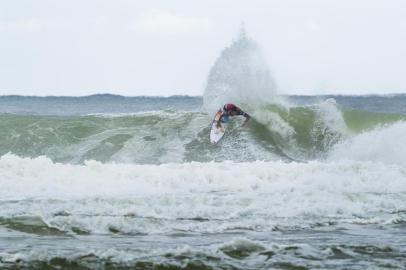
(225, 118)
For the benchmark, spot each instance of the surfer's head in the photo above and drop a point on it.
(232, 109)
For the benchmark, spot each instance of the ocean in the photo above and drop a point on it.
(113, 182)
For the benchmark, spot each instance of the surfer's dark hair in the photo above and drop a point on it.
(233, 107)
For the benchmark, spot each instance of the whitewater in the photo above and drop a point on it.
(313, 184)
(107, 182)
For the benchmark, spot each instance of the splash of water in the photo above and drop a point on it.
(240, 75)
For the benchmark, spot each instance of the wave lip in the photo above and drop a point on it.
(382, 144)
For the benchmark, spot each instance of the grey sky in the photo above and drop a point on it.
(145, 47)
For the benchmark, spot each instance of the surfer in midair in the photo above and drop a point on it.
(223, 114)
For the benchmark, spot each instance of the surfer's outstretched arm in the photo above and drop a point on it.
(247, 117)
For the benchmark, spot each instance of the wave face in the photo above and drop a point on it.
(275, 132)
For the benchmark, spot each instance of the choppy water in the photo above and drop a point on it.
(112, 182)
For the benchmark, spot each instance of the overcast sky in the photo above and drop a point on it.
(147, 47)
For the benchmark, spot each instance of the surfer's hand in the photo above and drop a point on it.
(247, 117)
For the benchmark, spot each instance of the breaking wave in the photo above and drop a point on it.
(147, 199)
(276, 132)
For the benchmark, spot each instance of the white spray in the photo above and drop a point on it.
(240, 75)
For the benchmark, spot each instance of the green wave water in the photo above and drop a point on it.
(275, 132)
(96, 200)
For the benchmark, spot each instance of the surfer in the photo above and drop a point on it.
(222, 116)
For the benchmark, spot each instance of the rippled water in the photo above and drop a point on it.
(310, 185)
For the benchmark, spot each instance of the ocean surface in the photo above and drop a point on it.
(113, 182)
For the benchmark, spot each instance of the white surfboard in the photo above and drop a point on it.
(217, 132)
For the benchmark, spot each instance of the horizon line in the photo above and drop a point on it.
(192, 96)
